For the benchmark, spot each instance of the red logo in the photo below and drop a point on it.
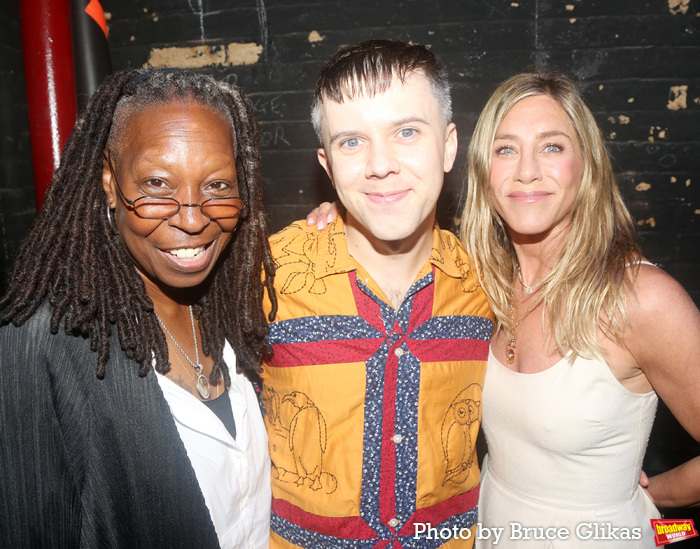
(670, 531)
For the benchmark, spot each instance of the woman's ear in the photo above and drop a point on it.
(108, 183)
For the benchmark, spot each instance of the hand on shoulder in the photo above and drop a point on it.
(322, 215)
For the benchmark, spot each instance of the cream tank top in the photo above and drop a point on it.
(565, 446)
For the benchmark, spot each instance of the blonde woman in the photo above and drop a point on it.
(588, 332)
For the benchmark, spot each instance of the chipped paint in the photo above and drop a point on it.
(624, 119)
(673, 179)
(569, 7)
(687, 182)
(600, 87)
(678, 6)
(651, 222)
(630, 100)
(680, 98)
(194, 57)
(612, 120)
(643, 186)
(314, 36)
(514, 5)
(613, 135)
(660, 133)
(572, 20)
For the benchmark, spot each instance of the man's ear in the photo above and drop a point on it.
(108, 183)
(451, 144)
(325, 162)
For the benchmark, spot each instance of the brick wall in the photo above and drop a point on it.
(637, 62)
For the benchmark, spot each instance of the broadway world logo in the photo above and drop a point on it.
(670, 531)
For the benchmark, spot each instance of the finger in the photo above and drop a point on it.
(644, 479)
(313, 216)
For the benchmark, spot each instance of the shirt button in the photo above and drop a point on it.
(244, 503)
(393, 522)
(397, 438)
(399, 351)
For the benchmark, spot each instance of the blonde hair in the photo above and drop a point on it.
(587, 288)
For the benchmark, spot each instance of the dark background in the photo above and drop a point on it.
(636, 61)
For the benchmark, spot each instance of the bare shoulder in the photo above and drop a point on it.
(664, 339)
(663, 320)
(657, 294)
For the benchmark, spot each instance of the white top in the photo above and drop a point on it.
(565, 447)
(234, 475)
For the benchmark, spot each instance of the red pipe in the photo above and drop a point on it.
(48, 71)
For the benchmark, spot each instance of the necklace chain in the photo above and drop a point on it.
(510, 346)
(202, 383)
(528, 289)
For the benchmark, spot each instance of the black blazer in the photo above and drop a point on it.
(86, 462)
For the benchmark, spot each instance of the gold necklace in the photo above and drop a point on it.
(510, 346)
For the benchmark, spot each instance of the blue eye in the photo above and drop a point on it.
(552, 148)
(407, 132)
(505, 150)
(351, 143)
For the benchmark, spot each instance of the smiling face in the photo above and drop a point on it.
(536, 169)
(386, 156)
(181, 150)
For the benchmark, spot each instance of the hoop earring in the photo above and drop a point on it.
(110, 221)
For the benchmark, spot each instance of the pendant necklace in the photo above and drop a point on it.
(182, 363)
(510, 347)
(529, 290)
(202, 383)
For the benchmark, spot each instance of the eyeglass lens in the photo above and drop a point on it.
(163, 208)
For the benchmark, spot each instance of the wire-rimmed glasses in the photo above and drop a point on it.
(164, 207)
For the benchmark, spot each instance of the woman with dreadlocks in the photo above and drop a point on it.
(126, 417)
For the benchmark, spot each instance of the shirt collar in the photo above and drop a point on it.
(332, 255)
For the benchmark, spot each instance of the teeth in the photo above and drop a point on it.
(187, 253)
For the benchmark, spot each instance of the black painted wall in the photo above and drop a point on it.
(17, 204)
(637, 62)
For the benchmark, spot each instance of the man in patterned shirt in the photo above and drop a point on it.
(373, 393)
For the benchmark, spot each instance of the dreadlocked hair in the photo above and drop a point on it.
(72, 258)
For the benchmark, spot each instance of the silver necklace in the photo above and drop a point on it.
(202, 384)
(528, 289)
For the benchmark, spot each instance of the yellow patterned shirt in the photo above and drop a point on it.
(372, 412)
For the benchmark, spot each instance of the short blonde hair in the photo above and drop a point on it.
(587, 288)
